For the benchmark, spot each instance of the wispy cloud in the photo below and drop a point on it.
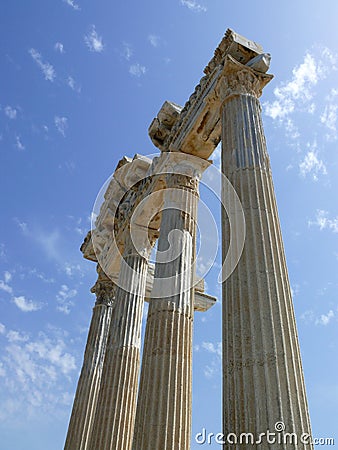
(46, 67)
(93, 40)
(64, 297)
(213, 348)
(127, 51)
(193, 5)
(48, 241)
(325, 319)
(10, 112)
(329, 119)
(299, 88)
(16, 336)
(19, 145)
(26, 305)
(61, 124)
(73, 84)
(323, 221)
(35, 372)
(72, 4)
(154, 40)
(7, 276)
(312, 165)
(71, 269)
(5, 287)
(214, 366)
(4, 284)
(297, 94)
(309, 317)
(58, 47)
(137, 70)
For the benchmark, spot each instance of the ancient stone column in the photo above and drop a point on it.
(262, 372)
(81, 421)
(116, 406)
(163, 419)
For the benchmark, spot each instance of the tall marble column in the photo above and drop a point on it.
(81, 421)
(262, 372)
(115, 413)
(163, 418)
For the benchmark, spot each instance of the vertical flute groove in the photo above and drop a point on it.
(263, 379)
(115, 413)
(81, 421)
(163, 418)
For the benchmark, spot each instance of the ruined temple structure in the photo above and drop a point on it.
(122, 403)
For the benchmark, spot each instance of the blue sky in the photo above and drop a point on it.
(80, 84)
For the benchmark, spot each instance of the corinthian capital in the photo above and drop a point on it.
(104, 288)
(240, 79)
(181, 170)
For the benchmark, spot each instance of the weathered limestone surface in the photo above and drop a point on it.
(116, 406)
(163, 419)
(262, 373)
(263, 379)
(81, 422)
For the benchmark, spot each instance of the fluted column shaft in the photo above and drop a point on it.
(262, 371)
(81, 421)
(163, 419)
(115, 413)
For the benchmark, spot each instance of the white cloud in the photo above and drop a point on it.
(26, 305)
(49, 241)
(93, 40)
(71, 269)
(154, 40)
(46, 67)
(329, 120)
(308, 316)
(127, 51)
(18, 143)
(324, 222)
(2, 328)
(299, 91)
(73, 4)
(73, 85)
(312, 165)
(137, 70)
(16, 336)
(193, 5)
(5, 287)
(22, 225)
(325, 319)
(58, 47)
(63, 298)
(2, 251)
(213, 348)
(209, 371)
(10, 112)
(61, 124)
(36, 371)
(54, 353)
(7, 276)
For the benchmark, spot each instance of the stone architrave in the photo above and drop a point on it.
(262, 372)
(116, 406)
(81, 421)
(163, 418)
